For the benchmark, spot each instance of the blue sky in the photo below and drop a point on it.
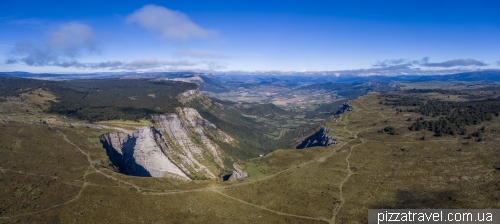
(365, 37)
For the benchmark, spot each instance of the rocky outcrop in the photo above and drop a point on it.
(320, 138)
(238, 173)
(136, 153)
(194, 79)
(189, 95)
(344, 108)
(187, 141)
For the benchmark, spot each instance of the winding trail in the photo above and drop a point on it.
(85, 183)
(338, 207)
(341, 185)
(269, 210)
(217, 189)
(148, 191)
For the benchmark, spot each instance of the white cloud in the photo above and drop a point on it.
(456, 62)
(389, 62)
(71, 38)
(141, 64)
(404, 64)
(168, 24)
(63, 46)
(155, 63)
(67, 42)
(214, 65)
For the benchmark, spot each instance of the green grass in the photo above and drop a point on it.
(254, 169)
(43, 173)
(140, 122)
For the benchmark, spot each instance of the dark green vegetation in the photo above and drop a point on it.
(59, 173)
(351, 91)
(389, 130)
(446, 117)
(98, 100)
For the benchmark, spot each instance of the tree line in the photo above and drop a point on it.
(103, 99)
(450, 118)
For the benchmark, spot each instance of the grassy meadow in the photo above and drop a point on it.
(58, 173)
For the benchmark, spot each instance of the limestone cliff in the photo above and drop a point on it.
(238, 173)
(189, 95)
(320, 138)
(183, 144)
(136, 153)
(189, 140)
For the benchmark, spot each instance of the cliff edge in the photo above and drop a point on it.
(181, 144)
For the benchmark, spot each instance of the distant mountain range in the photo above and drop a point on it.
(309, 77)
(486, 75)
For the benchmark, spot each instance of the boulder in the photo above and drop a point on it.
(238, 173)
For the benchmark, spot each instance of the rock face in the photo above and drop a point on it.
(189, 95)
(319, 138)
(188, 139)
(238, 173)
(137, 154)
(193, 79)
(345, 107)
(188, 142)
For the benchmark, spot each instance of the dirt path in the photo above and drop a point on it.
(147, 191)
(444, 140)
(341, 185)
(269, 210)
(84, 183)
